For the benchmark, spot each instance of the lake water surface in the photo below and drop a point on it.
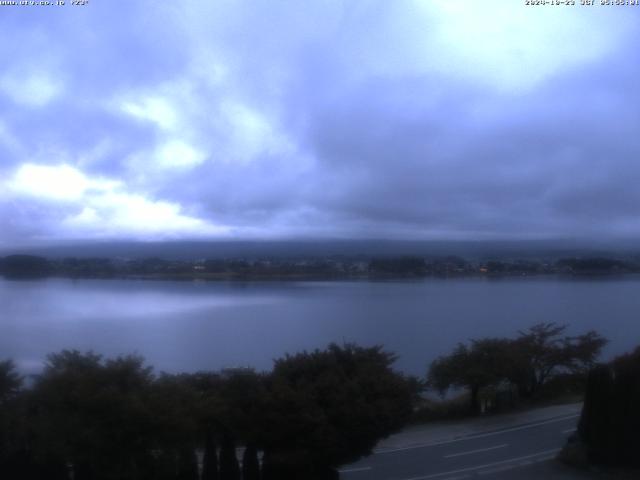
(187, 326)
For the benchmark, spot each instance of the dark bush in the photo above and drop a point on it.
(610, 419)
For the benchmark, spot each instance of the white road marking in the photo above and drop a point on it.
(570, 430)
(486, 465)
(359, 469)
(476, 451)
(512, 466)
(480, 435)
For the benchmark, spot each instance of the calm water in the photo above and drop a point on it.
(186, 326)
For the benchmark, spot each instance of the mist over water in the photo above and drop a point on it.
(189, 326)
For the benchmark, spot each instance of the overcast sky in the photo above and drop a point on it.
(147, 119)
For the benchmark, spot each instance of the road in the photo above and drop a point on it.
(522, 452)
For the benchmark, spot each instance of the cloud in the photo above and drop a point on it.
(340, 118)
(153, 109)
(58, 183)
(8, 140)
(119, 214)
(514, 48)
(251, 134)
(79, 205)
(179, 154)
(31, 88)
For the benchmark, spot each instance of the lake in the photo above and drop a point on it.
(188, 326)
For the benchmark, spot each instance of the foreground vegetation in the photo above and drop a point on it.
(115, 419)
(498, 372)
(90, 418)
(610, 422)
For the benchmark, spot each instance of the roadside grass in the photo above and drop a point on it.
(561, 390)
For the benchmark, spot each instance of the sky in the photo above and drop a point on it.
(273, 119)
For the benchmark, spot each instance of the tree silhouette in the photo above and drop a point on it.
(250, 463)
(541, 351)
(528, 362)
(229, 467)
(485, 362)
(105, 419)
(610, 418)
(10, 381)
(330, 407)
(210, 459)
(94, 414)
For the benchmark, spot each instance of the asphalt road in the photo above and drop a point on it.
(522, 452)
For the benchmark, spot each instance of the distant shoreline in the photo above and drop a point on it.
(314, 278)
(333, 268)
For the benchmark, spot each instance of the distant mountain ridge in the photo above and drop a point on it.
(473, 250)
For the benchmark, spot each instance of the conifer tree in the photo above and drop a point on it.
(250, 464)
(210, 459)
(187, 464)
(229, 468)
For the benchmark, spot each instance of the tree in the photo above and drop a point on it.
(187, 464)
(327, 408)
(12, 428)
(594, 426)
(403, 266)
(10, 381)
(95, 414)
(229, 467)
(210, 459)
(542, 351)
(484, 362)
(105, 419)
(626, 413)
(18, 266)
(241, 399)
(610, 418)
(250, 464)
(494, 266)
(529, 361)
